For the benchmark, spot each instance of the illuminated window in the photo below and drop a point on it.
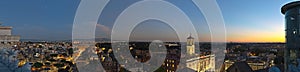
(292, 18)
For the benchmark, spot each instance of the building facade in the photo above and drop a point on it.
(292, 50)
(201, 63)
(198, 62)
(6, 38)
(190, 45)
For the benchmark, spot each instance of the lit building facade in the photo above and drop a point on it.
(292, 50)
(6, 38)
(192, 62)
(5, 35)
(202, 63)
(190, 45)
(199, 63)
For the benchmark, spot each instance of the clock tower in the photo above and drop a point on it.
(190, 45)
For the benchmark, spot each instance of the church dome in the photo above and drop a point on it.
(190, 37)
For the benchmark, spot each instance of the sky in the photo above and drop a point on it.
(245, 20)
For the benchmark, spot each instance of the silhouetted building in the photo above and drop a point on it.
(239, 67)
(292, 21)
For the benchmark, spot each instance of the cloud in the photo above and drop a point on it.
(102, 31)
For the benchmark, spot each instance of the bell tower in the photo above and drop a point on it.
(190, 45)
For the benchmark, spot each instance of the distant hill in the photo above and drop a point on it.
(102, 39)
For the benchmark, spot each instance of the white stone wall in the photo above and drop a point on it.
(9, 38)
(191, 50)
(5, 32)
(201, 64)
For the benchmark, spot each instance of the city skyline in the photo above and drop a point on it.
(246, 21)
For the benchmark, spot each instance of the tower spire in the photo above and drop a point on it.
(190, 45)
(190, 37)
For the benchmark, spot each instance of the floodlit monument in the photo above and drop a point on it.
(190, 45)
(197, 62)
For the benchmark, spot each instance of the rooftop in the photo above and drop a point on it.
(289, 6)
(190, 37)
(5, 27)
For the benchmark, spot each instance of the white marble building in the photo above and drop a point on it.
(197, 62)
(6, 38)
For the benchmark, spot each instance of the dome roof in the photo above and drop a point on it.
(190, 37)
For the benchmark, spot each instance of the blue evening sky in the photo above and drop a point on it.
(245, 20)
